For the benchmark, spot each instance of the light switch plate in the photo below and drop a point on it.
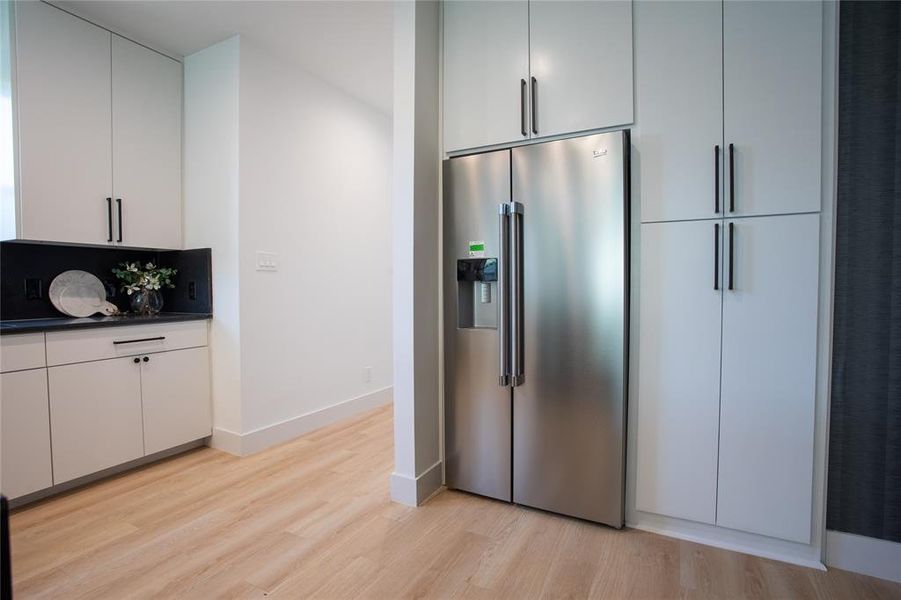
(267, 261)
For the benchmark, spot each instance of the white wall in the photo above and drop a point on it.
(315, 188)
(280, 161)
(211, 208)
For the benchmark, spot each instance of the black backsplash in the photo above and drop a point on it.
(22, 261)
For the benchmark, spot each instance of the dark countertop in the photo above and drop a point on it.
(65, 323)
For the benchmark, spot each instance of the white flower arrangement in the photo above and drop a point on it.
(134, 278)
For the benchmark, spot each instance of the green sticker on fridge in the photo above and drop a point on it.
(477, 249)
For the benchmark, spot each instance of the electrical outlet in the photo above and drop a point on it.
(34, 290)
(367, 374)
(267, 261)
(192, 290)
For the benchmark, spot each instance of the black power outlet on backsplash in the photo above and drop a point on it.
(27, 269)
(34, 288)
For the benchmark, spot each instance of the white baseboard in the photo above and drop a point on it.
(277, 433)
(414, 492)
(870, 556)
(804, 555)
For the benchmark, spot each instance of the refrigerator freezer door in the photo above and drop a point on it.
(569, 413)
(477, 408)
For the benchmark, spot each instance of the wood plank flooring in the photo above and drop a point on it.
(312, 519)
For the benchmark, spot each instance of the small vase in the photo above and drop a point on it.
(147, 302)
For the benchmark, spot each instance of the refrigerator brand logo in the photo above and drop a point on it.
(600, 153)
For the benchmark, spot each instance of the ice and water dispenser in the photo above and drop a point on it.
(477, 293)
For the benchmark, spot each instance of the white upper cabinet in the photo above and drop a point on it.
(580, 57)
(744, 76)
(486, 72)
(98, 134)
(63, 105)
(679, 88)
(679, 369)
(768, 381)
(520, 70)
(772, 58)
(146, 145)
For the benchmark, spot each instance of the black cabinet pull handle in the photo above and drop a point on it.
(150, 339)
(731, 178)
(119, 205)
(146, 359)
(522, 108)
(136, 360)
(534, 106)
(109, 218)
(731, 256)
(716, 170)
(716, 256)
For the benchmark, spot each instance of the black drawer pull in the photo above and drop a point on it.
(153, 339)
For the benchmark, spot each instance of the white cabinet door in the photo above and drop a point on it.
(679, 370)
(581, 65)
(486, 61)
(63, 100)
(679, 87)
(25, 440)
(772, 60)
(176, 397)
(95, 416)
(146, 145)
(769, 369)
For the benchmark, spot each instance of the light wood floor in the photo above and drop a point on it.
(312, 519)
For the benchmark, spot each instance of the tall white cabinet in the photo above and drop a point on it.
(98, 134)
(519, 70)
(768, 375)
(679, 369)
(728, 151)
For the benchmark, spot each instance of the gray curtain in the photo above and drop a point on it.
(864, 494)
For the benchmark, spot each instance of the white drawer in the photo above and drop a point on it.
(64, 347)
(22, 351)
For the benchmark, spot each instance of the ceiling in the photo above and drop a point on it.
(346, 42)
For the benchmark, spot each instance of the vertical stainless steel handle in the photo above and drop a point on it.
(503, 274)
(516, 288)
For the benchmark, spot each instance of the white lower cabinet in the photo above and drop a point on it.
(768, 380)
(175, 388)
(25, 435)
(108, 397)
(95, 416)
(679, 370)
(727, 377)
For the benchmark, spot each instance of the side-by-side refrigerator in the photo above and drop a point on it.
(536, 299)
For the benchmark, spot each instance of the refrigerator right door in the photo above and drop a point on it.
(569, 412)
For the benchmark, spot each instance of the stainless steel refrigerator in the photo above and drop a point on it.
(536, 300)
